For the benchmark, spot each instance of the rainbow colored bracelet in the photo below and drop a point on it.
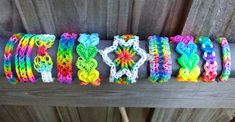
(30, 74)
(43, 62)
(65, 57)
(86, 63)
(209, 57)
(22, 59)
(189, 59)
(7, 57)
(160, 61)
(226, 56)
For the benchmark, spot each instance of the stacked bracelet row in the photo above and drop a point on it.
(125, 65)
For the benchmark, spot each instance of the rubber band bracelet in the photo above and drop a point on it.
(30, 74)
(160, 63)
(86, 63)
(65, 57)
(189, 59)
(43, 62)
(22, 59)
(17, 59)
(210, 65)
(7, 57)
(226, 57)
(125, 47)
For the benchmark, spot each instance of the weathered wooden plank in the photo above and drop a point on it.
(211, 17)
(10, 21)
(28, 16)
(42, 113)
(139, 114)
(17, 113)
(113, 115)
(188, 115)
(94, 114)
(159, 17)
(107, 17)
(141, 94)
(68, 114)
(4, 115)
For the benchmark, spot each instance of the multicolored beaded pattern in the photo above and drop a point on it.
(65, 57)
(189, 59)
(226, 56)
(125, 47)
(210, 65)
(20, 58)
(86, 63)
(160, 62)
(31, 77)
(43, 62)
(7, 57)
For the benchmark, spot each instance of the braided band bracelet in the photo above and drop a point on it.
(7, 57)
(20, 66)
(43, 62)
(21, 57)
(86, 63)
(65, 57)
(210, 65)
(226, 56)
(125, 47)
(160, 63)
(31, 77)
(189, 59)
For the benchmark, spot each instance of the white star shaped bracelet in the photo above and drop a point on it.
(125, 48)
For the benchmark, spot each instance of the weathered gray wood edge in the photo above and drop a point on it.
(141, 94)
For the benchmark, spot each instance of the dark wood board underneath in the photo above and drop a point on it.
(141, 94)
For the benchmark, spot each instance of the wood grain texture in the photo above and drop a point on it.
(68, 114)
(161, 17)
(211, 17)
(74, 114)
(189, 115)
(139, 114)
(107, 17)
(144, 94)
(10, 21)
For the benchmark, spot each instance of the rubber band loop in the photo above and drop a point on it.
(65, 57)
(210, 65)
(189, 59)
(20, 59)
(125, 47)
(160, 61)
(86, 63)
(25, 68)
(7, 57)
(226, 58)
(43, 62)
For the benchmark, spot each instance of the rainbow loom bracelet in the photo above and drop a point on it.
(210, 65)
(28, 61)
(226, 56)
(43, 62)
(7, 57)
(125, 47)
(65, 57)
(20, 58)
(189, 59)
(160, 63)
(86, 63)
